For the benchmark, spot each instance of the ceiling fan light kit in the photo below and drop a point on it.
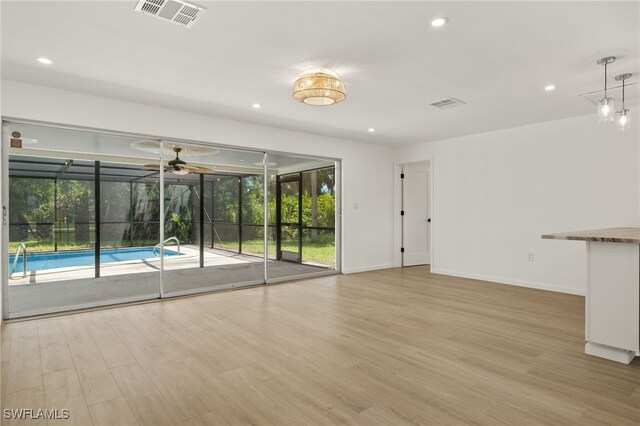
(319, 88)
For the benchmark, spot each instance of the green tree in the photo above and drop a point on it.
(31, 205)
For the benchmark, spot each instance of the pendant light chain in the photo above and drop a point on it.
(605, 79)
(623, 78)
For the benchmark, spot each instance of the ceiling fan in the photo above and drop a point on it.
(178, 166)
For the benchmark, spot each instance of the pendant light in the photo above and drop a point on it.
(623, 115)
(606, 106)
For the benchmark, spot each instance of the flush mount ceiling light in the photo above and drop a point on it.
(319, 87)
(45, 61)
(256, 106)
(623, 114)
(372, 130)
(606, 106)
(550, 88)
(439, 22)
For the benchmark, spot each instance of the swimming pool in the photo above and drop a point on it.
(40, 261)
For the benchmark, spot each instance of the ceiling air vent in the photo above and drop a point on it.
(447, 103)
(175, 11)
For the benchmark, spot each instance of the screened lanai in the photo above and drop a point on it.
(94, 228)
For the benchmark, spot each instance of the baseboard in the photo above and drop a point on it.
(366, 268)
(518, 283)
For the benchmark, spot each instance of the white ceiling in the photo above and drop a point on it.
(495, 56)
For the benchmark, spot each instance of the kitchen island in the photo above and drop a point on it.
(612, 303)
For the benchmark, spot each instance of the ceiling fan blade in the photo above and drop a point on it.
(155, 166)
(196, 169)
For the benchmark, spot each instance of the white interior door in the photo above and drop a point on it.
(416, 221)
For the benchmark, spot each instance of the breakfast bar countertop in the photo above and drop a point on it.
(607, 235)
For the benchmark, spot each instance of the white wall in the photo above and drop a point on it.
(496, 193)
(367, 232)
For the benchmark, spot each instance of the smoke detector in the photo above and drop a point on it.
(175, 11)
(447, 103)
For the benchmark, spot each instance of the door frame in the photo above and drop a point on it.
(4, 222)
(295, 177)
(397, 203)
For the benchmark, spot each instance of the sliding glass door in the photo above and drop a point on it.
(97, 219)
(83, 222)
(210, 212)
(305, 208)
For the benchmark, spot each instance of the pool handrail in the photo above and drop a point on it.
(166, 241)
(21, 247)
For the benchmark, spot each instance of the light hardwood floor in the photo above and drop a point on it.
(397, 346)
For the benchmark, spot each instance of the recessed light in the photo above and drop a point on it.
(45, 61)
(256, 106)
(438, 22)
(372, 130)
(550, 88)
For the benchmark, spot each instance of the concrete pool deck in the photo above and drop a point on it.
(188, 259)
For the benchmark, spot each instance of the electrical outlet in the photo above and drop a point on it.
(530, 256)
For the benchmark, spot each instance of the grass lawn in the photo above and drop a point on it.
(312, 251)
(44, 246)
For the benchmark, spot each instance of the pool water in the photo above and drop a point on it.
(40, 261)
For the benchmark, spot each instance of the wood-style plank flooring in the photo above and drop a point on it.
(391, 347)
